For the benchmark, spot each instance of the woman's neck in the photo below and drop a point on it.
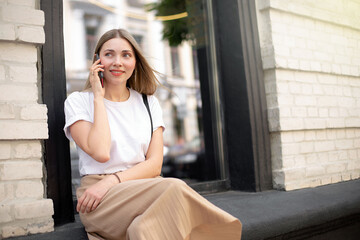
(117, 94)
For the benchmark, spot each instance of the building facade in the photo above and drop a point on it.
(310, 52)
(24, 206)
(282, 91)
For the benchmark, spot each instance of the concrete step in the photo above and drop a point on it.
(327, 212)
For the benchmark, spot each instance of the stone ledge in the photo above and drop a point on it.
(276, 214)
(299, 214)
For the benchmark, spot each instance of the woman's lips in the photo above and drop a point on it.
(117, 72)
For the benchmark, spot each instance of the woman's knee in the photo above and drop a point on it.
(174, 186)
(174, 181)
(136, 229)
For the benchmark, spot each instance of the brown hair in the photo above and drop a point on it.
(143, 79)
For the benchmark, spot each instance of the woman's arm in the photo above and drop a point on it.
(94, 138)
(149, 168)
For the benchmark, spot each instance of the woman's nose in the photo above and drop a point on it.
(117, 61)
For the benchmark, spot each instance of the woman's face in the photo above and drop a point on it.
(118, 58)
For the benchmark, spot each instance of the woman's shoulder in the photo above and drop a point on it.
(136, 96)
(152, 99)
(139, 95)
(134, 93)
(83, 97)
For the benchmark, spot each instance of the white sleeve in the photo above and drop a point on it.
(76, 109)
(156, 113)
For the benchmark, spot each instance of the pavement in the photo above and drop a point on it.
(326, 212)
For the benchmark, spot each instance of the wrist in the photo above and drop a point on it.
(98, 98)
(117, 177)
(111, 180)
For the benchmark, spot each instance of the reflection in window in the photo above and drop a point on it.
(91, 26)
(139, 40)
(196, 64)
(175, 61)
(135, 3)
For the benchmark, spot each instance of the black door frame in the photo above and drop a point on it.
(57, 149)
(243, 95)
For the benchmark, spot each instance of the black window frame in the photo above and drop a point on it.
(57, 149)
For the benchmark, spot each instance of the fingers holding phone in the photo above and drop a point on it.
(101, 74)
(97, 76)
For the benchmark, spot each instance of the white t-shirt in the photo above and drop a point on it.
(130, 129)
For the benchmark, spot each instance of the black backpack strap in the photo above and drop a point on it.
(145, 99)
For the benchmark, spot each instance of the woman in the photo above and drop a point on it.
(121, 195)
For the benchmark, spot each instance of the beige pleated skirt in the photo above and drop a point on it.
(156, 209)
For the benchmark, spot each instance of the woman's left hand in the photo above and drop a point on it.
(93, 195)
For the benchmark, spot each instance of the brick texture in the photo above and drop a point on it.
(22, 14)
(28, 226)
(25, 74)
(18, 52)
(31, 34)
(15, 93)
(23, 122)
(13, 170)
(33, 209)
(310, 52)
(7, 31)
(23, 130)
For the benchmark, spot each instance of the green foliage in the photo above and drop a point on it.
(175, 31)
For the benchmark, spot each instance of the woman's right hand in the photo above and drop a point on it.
(92, 197)
(98, 90)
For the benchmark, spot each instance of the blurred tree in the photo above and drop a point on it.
(175, 31)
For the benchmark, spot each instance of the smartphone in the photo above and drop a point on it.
(101, 74)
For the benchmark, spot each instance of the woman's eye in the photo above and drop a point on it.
(107, 54)
(127, 55)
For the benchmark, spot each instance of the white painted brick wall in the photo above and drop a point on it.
(7, 31)
(2, 73)
(5, 213)
(29, 189)
(31, 34)
(311, 60)
(33, 112)
(18, 52)
(25, 74)
(33, 209)
(23, 130)
(28, 226)
(5, 150)
(316, 157)
(24, 3)
(18, 170)
(22, 14)
(23, 122)
(7, 111)
(7, 191)
(27, 149)
(15, 93)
